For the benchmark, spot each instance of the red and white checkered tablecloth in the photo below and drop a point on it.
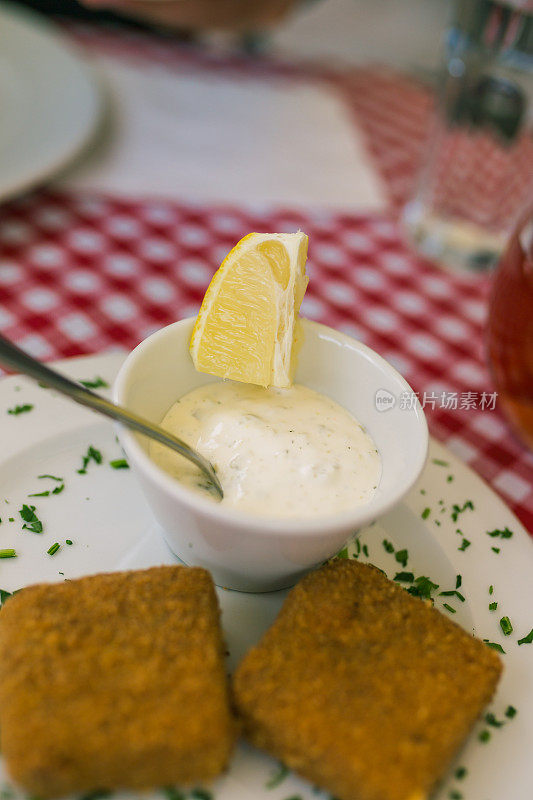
(83, 273)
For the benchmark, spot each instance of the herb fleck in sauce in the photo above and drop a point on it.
(278, 452)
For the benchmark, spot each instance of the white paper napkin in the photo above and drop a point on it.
(198, 135)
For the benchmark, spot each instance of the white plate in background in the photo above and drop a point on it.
(110, 525)
(49, 100)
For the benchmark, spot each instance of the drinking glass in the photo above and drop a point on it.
(476, 176)
(510, 329)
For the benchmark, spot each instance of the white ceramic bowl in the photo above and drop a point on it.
(248, 552)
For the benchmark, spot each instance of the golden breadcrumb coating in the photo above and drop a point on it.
(114, 681)
(361, 688)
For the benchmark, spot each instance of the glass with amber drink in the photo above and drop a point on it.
(510, 329)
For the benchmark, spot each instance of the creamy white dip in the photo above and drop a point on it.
(277, 452)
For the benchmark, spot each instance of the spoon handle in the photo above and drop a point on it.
(14, 358)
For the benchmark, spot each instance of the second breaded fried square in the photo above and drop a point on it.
(361, 688)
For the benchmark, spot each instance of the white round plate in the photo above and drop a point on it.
(49, 100)
(110, 525)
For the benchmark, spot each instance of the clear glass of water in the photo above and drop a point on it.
(477, 173)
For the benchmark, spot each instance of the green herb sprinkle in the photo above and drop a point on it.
(527, 639)
(506, 626)
(22, 409)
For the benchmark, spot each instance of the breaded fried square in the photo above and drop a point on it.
(361, 688)
(114, 681)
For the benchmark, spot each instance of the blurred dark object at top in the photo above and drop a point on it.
(73, 9)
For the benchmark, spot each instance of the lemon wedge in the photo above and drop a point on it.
(247, 324)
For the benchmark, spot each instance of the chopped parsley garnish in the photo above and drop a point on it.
(460, 773)
(389, 547)
(11, 519)
(493, 606)
(96, 383)
(449, 479)
(402, 557)
(404, 577)
(365, 550)
(172, 793)
(495, 646)
(8, 552)
(505, 534)
(449, 608)
(495, 549)
(439, 462)
(53, 549)
(458, 581)
(425, 513)
(453, 593)
(455, 795)
(456, 510)
(68, 541)
(92, 455)
(16, 410)
(510, 712)
(484, 736)
(47, 492)
(52, 478)
(490, 719)
(343, 553)
(464, 544)
(423, 588)
(4, 594)
(527, 639)
(277, 778)
(201, 794)
(491, 589)
(119, 463)
(31, 520)
(506, 626)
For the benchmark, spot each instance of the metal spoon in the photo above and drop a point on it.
(13, 357)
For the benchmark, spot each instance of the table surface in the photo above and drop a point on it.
(82, 271)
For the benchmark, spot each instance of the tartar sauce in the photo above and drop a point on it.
(277, 452)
